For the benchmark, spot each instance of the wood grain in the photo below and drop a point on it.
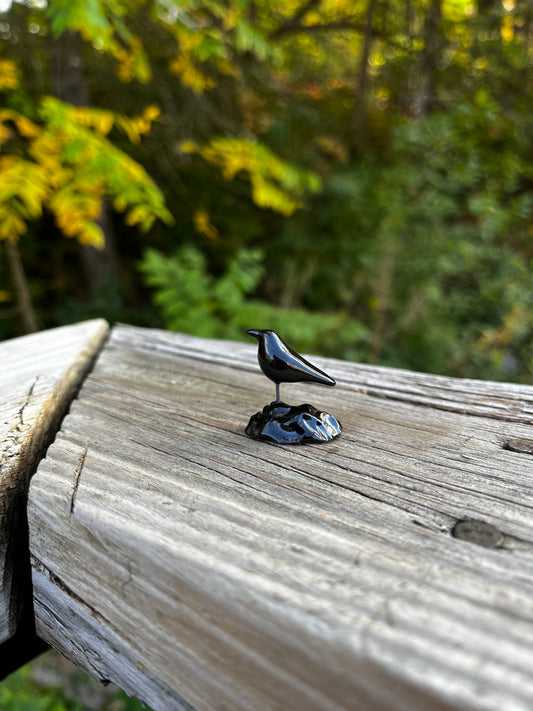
(39, 375)
(195, 567)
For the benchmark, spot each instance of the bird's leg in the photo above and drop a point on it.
(277, 393)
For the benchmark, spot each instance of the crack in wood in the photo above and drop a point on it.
(20, 413)
(40, 567)
(129, 578)
(151, 446)
(77, 475)
(10, 447)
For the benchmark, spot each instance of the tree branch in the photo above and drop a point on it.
(300, 13)
(342, 24)
(22, 290)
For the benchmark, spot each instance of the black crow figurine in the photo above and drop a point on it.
(289, 424)
(283, 365)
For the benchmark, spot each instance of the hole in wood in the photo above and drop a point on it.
(525, 446)
(479, 532)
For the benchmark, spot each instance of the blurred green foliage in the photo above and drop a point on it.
(355, 175)
(24, 691)
(193, 301)
(18, 693)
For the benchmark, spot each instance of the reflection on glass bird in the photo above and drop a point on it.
(283, 365)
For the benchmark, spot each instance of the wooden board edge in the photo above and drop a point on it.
(15, 593)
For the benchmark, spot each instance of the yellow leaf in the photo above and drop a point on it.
(267, 194)
(203, 224)
(507, 29)
(126, 66)
(92, 234)
(9, 74)
(232, 17)
(151, 113)
(23, 187)
(138, 214)
(27, 128)
(187, 147)
(190, 75)
(11, 225)
(98, 119)
(130, 128)
(120, 204)
(5, 133)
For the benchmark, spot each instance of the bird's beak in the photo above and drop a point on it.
(253, 332)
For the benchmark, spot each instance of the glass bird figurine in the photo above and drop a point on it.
(279, 422)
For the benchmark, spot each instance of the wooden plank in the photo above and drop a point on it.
(208, 569)
(40, 374)
(505, 401)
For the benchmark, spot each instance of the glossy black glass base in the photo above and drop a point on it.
(293, 424)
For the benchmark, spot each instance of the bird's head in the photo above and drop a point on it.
(259, 333)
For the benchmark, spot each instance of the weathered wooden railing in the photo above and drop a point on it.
(196, 568)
